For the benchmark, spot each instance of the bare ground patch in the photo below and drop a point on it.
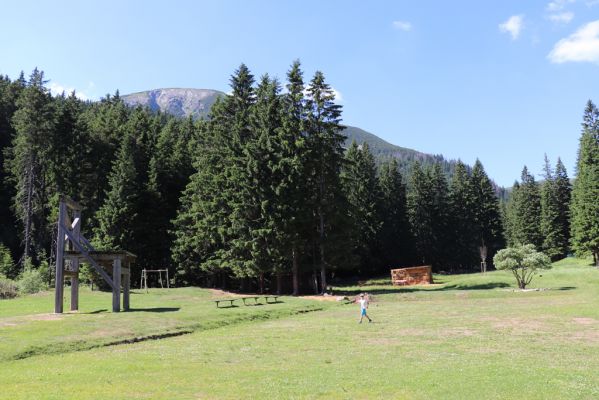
(23, 319)
(585, 321)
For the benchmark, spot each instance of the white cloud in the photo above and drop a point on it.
(57, 89)
(558, 5)
(562, 18)
(513, 26)
(402, 25)
(581, 46)
(338, 95)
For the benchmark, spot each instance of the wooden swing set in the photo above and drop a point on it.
(72, 249)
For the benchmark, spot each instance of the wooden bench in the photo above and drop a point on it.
(271, 297)
(250, 297)
(229, 300)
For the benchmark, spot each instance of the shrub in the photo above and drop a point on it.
(8, 289)
(523, 261)
(7, 265)
(31, 281)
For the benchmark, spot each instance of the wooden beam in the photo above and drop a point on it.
(116, 289)
(126, 288)
(59, 277)
(93, 262)
(72, 204)
(75, 286)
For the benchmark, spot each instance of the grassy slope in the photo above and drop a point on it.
(26, 329)
(467, 338)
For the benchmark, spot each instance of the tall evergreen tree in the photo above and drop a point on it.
(9, 93)
(563, 190)
(551, 229)
(210, 224)
(118, 216)
(294, 166)
(323, 129)
(585, 191)
(421, 214)
(394, 238)
(28, 163)
(362, 191)
(487, 226)
(526, 217)
(462, 236)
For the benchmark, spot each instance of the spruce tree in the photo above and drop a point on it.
(563, 190)
(461, 217)
(421, 213)
(118, 216)
(394, 238)
(323, 131)
(294, 166)
(209, 226)
(440, 249)
(527, 212)
(28, 162)
(585, 191)
(487, 226)
(510, 217)
(362, 192)
(551, 230)
(9, 93)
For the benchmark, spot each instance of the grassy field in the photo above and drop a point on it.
(469, 337)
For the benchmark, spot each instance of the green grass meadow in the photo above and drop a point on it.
(466, 337)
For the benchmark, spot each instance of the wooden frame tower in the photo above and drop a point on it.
(72, 249)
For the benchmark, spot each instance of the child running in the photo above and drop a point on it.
(363, 306)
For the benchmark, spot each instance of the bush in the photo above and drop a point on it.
(523, 261)
(31, 281)
(7, 265)
(8, 289)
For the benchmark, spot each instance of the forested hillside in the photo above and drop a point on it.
(264, 193)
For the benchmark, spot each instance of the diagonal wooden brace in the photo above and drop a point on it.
(93, 262)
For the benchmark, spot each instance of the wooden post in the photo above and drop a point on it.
(168, 285)
(75, 262)
(59, 280)
(126, 287)
(75, 285)
(116, 290)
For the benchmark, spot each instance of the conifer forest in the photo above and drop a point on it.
(263, 194)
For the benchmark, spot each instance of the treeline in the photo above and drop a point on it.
(555, 216)
(261, 195)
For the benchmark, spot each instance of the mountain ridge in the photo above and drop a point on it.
(183, 102)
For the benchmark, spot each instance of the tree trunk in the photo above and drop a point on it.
(261, 282)
(28, 212)
(279, 282)
(596, 258)
(295, 270)
(323, 271)
(323, 268)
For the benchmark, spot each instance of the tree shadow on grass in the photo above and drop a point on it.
(421, 288)
(97, 311)
(155, 309)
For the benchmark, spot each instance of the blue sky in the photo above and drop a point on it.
(504, 81)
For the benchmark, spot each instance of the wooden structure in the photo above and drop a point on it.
(72, 249)
(421, 275)
(144, 278)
